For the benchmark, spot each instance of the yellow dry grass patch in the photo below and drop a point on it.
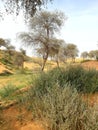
(31, 65)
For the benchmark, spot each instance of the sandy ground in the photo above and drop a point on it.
(91, 64)
(19, 119)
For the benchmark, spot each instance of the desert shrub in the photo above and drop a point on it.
(82, 79)
(61, 108)
(85, 81)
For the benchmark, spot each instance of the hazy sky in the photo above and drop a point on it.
(81, 27)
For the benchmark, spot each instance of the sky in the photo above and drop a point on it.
(81, 27)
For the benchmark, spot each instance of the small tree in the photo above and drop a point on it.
(84, 55)
(23, 51)
(70, 51)
(10, 50)
(93, 54)
(4, 42)
(19, 60)
(55, 49)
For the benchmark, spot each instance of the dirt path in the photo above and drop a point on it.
(16, 118)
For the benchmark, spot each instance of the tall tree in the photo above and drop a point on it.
(43, 27)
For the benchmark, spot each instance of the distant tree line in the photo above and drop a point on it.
(93, 54)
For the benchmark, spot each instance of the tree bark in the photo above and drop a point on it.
(44, 63)
(45, 57)
(57, 61)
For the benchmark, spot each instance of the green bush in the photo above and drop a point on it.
(61, 108)
(83, 80)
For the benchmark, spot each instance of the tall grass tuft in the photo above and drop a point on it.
(7, 91)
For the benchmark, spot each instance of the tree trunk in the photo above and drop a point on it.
(57, 61)
(44, 61)
(45, 57)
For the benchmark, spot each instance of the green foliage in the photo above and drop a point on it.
(83, 80)
(19, 79)
(61, 108)
(7, 91)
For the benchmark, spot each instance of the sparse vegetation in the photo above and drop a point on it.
(55, 97)
(62, 98)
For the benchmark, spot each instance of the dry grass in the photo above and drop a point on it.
(20, 80)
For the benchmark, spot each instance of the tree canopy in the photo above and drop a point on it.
(29, 7)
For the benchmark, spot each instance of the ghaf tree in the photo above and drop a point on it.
(43, 27)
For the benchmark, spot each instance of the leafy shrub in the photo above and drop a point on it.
(82, 79)
(61, 108)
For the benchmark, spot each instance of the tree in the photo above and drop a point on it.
(55, 49)
(29, 7)
(23, 51)
(4, 42)
(96, 54)
(43, 27)
(84, 54)
(93, 54)
(10, 49)
(71, 51)
(19, 60)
